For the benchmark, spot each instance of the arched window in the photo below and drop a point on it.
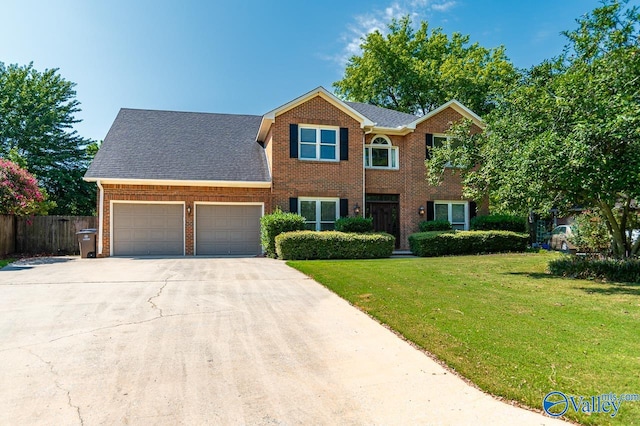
(380, 154)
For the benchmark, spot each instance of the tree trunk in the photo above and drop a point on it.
(617, 232)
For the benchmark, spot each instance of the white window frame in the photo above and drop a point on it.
(318, 201)
(450, 205)
(447, 141)
(393, 156)
(318, 144)
(440, 136)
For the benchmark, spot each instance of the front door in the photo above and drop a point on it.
(385, 211)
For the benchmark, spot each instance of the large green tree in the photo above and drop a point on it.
(569, 134)
(36, 130)
(416, 71)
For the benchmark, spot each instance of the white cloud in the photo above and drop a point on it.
(377, 20)
(443, 7)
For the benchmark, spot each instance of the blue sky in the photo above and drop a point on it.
(244, 57)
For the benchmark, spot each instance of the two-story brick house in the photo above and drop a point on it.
(179, 183)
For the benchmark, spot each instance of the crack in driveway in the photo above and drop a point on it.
(107, 327)
(158, 294)
(53, 371)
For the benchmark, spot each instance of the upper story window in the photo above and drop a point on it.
(380, 154)
(319, 143)
(440, 141)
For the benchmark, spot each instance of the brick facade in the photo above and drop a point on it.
(409, 181)
(294, 178)
(187, 194)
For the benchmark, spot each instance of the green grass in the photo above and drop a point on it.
(5, 262)
(503, 323)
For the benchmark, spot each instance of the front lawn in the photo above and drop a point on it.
(503, 323)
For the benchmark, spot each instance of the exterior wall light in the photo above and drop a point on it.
(421, 211)
(356, 209)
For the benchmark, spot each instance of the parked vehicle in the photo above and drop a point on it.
(561, 234)
(559, 239)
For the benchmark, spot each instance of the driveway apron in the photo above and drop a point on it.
(190, 341)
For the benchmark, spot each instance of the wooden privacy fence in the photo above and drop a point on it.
(7, 235)
(43, 234)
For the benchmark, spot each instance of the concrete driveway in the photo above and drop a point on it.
(211, 341)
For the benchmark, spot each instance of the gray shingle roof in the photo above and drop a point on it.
(383, 117)
(168, 145)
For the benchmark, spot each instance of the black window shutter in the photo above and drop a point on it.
(293, 141)
(344, 207)
(428, 144)
(344, 144)
(431, 210)
(293, 205)
(472, 209)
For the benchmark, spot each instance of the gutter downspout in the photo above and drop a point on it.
(364, 178)
(100, 216)
(364, 169)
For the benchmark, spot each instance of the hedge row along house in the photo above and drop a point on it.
(184, 183)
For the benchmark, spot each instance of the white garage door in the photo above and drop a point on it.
(148, 229)
(228, 229)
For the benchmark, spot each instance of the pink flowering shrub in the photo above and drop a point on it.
(19, 191)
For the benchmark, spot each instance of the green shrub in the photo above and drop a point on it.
(427, 244)
(590, 233)
(274, 224)
(620, 270)
(302, 245)
(499, 222)
(355, 224)
(435, 225)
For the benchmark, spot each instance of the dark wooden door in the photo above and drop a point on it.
(386, 217)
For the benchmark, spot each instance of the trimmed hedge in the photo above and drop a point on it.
(274, 224)
(620, 270)
(499, 222)
(355, 224)
(435, 225)
(303, 245)
(428, 244)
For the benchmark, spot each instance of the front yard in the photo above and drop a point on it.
(503, 323)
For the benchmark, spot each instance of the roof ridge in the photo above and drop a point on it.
(378, 106)
(381, 116)
(189, 112)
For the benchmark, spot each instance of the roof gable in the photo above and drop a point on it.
(456, 106)
(269, 118)
(369, 116)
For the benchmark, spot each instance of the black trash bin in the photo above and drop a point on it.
(87, 242)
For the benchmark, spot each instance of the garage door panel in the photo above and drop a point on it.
(238, 222)
(148, 229)
(152, 222)
(228, 229)
(237, 237)
(218, 235)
